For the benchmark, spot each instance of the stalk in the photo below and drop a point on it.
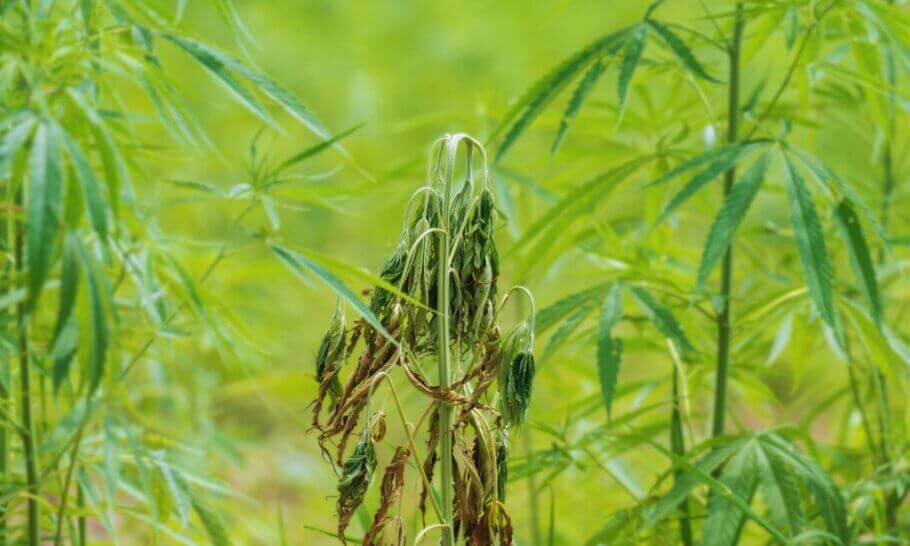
(442, 340)
(678, 446)
(892, 502)
(724, 317)
(33, 516)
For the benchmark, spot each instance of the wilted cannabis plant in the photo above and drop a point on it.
(438, 304)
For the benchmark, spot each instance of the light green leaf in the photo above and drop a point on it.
(634, 47)
(299, 265)
(585, 86)
(551, 315)
(720, 153)
(720, 165)
(97, 209)
(565, 330)
(730, 217)
(681, 50)
(663, 318)
(725, 519)
(44, 198)
(12, 141)
(609, 349)
(212, 522)
(810, 242)
(535, 99)
(852, 232)
(97, 328)
(780, 490)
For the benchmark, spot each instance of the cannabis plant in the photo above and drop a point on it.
(838, 53)
(438, 301)
(90, 283)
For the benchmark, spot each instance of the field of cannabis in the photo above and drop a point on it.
(479, 274)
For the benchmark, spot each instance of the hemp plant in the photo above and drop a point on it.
(837, 53)
(438, 305)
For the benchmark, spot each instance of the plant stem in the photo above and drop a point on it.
(724, 318)
(445, 376)
(28, 429)
(678, 446)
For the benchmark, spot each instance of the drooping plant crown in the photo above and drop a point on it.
(407, 307)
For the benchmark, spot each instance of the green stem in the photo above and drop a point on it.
(445, 375)
(724, 317)
(33, 516)
(678, 446)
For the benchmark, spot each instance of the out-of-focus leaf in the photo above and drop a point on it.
(681, 50)
(810, 242)
(730, 216)
(860, 259)
(44, 198)
(97, 209)
(535, 99)
(609, 349)
(97, 328)
(633, 48)
(663, 318)
(299, 265)
(585, 86)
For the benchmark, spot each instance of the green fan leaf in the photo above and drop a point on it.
(663, 318)
(720, 165)
(585, 86)
(609, 349)
(681, 50)
(300, 264)
(97, 208)
(731, 216)
(810, 242)
(860, 258)
(97, 327)
(633, 49)
(725, 518)
(535, 99)
(43, 216)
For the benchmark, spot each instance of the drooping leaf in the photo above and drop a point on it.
(12, 141)
(565, 330)
(551, 315)
(97, 209)
(45, 185)
(681, 50)
(212, 522)
(633, 48)
(725, 519)
(609, 349)
(720, 165)
(535, 99)
(97, 327)
(860, 259)
(584, 88)
(730, 217)
(780, 490)
(718, 154)
(300, 264)
(662, 317)
(810, 242)
(69, 282)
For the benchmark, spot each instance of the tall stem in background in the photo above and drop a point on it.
(678, 446)
(892, 501)
(724, 317)
(28, 428)
(445, 375)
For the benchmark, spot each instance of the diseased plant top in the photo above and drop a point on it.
(450, 230)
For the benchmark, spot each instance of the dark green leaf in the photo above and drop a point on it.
(730, 216)
(585, 86)
(609, 349)
(98, 328)
(69, 282)
(720, 165)
(810, 242)
(535, 99)
(44, 198)
(725, 519)
(299, 264)
(97, 209)
(860, 259)
(634, 47)
(663, 318)
(681, 50)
